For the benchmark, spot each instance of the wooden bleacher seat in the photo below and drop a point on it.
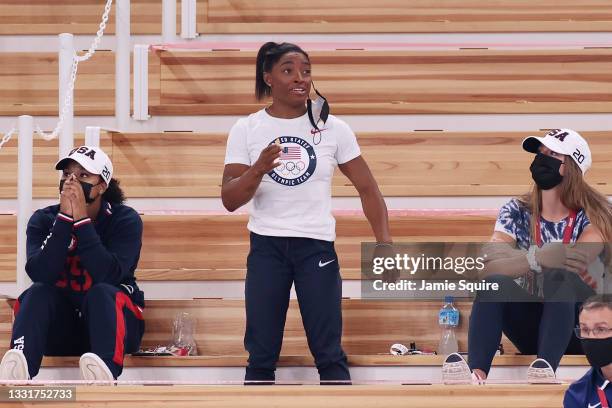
(189, 247)
(355, 82)
(405, 164)
(402, 16)
(309, 396)
(220, 329)
(396, 82)
(32, 17)
(30, 84)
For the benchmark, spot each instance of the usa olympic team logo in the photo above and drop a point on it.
(298, 161)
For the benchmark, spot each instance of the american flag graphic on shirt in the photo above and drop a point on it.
(291, 153)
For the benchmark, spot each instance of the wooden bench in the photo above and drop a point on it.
(214, 247)
(396, 82)
(355, 82)
(220, 330)
(309, 396)
(30, 84)
(316, 16)
(36, 17)
(406, 164)
(401, 16)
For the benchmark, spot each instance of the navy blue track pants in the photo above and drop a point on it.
(47, 322)
(273, 265)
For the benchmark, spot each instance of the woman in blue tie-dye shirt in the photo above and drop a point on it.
(541, 278)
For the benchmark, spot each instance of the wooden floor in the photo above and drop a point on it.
(354, 360)
(309, 396)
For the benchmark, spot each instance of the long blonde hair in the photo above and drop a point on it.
(575, 194)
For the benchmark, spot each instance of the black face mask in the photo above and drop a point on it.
(86, 190)
(545, 171)
(317, 111)
(598, 351)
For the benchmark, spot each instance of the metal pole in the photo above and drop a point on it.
(92, 136)
(122, 64)
(66, 59)
(141, 82)
(188, 19)
(24, 196)
(168, 21)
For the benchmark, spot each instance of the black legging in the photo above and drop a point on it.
(544, 328)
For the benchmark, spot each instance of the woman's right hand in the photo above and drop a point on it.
(551, 256)
(65, 203)
(267, 160)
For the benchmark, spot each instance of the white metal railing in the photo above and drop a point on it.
(24, 195)
(141, 82)
(168, 21)
(188, 19)
(122, 63)
(68, 68)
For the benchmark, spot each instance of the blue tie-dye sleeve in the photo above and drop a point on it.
(513, 220)
(506, 219)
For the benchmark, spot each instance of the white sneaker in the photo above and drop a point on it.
(540, 372)
(455, 370)
(14, 366)
(94, 369)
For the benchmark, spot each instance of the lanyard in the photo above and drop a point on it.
(602, 398)
(567, 233)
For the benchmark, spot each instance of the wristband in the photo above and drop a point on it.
(389, 244)
(531, 258)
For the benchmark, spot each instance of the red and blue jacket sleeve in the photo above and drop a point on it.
(116, 259)
(47, 246)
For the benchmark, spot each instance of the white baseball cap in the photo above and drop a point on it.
(93, 159)
(563, 141)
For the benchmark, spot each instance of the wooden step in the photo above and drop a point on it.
(309, 396)
(354, 360)
(33, 17)
(190, 247)
(396, 82)
(405, 164)
(220, 326)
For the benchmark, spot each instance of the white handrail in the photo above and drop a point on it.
(24, 196)
(66, 93)
(141, 82)
(68, 96)
(92, 136)
(168, 21)
(122, 64)
(189, 19)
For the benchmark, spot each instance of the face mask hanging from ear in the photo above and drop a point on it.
(318, 110)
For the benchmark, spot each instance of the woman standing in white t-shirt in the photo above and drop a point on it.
(283, 158)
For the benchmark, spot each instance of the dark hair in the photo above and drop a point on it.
(268, 55)
(113, 193)
(597, 302)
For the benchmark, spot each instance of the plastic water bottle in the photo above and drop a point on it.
(448, 319)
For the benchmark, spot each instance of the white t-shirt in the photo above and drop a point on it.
(293, 200)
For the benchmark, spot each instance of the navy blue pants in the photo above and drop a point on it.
(47, 322)
(534, 327)
(273, 264)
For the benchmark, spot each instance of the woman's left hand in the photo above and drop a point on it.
(77, 198)
(576, 260)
